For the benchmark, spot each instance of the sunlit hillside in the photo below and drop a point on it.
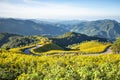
(91, 46)
(15, 66)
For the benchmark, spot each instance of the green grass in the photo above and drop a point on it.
(48, 47)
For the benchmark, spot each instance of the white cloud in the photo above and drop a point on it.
(34, 9)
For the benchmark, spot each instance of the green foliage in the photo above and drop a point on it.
(8, 40)
(20, 41)
(70, 38)
(47, 47)
(14, 66)
(4, 37)
(116, 46)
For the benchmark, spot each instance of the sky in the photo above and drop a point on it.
(61, 9)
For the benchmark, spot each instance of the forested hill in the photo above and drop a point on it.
(4, 37)
(72, 38)
(103, 28)
(8, 40)
(28, 27)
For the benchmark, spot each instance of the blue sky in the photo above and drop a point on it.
(61, 9)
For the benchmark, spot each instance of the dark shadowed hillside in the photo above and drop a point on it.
(8, 40)
(72, 38)
(4, 37)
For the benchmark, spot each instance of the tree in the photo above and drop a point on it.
(116, 46)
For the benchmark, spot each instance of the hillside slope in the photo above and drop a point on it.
(4, 37)
(27, 27)
(8, 40)
(72, 38)
(48, 47)
(103, 28)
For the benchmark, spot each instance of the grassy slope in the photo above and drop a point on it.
(91, 46)
(42, 41)
(48, 47)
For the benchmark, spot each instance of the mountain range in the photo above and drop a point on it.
(109, 29)
(102, 28)
(28, 27)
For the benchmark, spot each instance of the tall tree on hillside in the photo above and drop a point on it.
(116, 46)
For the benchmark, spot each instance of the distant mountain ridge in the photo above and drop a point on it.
(28, 27)
(101, 28)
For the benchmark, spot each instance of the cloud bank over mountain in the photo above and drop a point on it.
(54, 9)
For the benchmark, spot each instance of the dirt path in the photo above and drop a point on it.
(27, 51)
(107, 51)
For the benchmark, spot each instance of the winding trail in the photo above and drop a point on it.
(27, 51)
(107, 51)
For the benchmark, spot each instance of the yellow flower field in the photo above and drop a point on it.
(15, 66)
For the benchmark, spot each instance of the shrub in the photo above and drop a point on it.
(116, 46)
